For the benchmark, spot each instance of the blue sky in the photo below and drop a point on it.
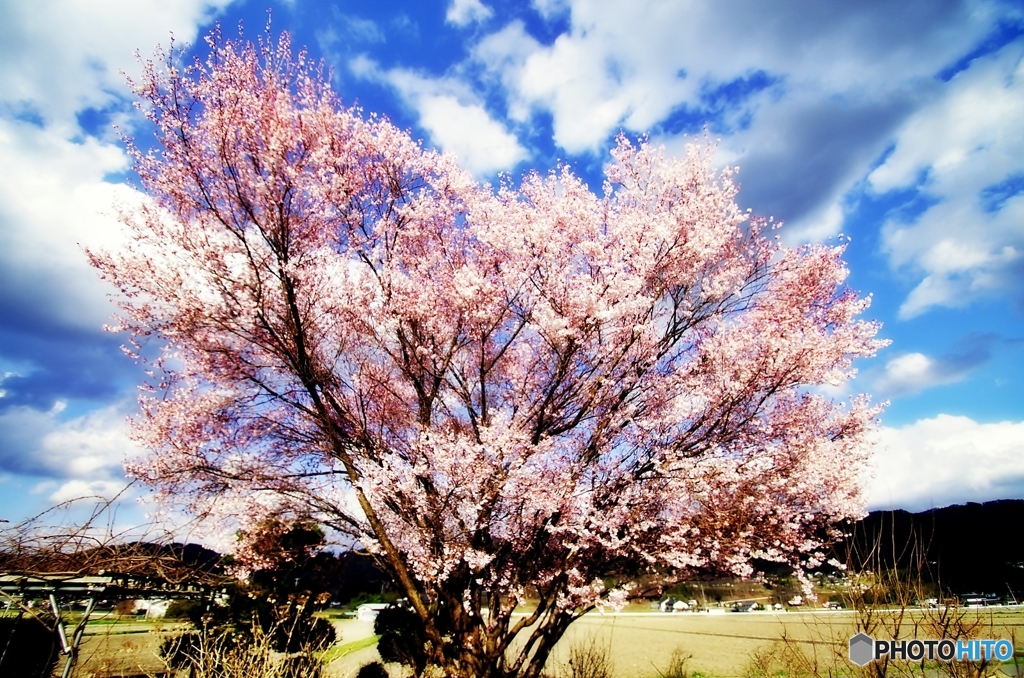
(898, 124)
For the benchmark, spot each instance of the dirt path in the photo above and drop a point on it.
(350, 631)
(120, 655)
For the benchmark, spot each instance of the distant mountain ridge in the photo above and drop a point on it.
(964, 548)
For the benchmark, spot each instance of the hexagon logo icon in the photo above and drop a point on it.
(861, 649)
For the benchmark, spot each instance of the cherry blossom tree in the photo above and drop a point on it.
(528, 391)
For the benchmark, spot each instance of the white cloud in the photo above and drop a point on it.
(348, 29)
(630, 64)
(503, 55)
(807, 95)
(80, 489)
(88, 448)
(54, 198)
(967, 142)
(53, 202)
(465, 12)
(59, 60)
(549, 8)
(946, 460)
(908, 373)
(914, 372)
(453, 117)
(482, 145)
(363, 29)
(96, 443)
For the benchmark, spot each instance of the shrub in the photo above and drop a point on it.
(27, 647)
(372, 670)
(184, 609)
(402, 637)
(677, 665)
(589, 659)
(230, 645)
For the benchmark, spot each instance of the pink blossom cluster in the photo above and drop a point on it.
(527, 390)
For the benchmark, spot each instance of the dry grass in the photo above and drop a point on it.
(797, 644)
(224, 655)
(589, 658)
(759, 645)
(828, 655)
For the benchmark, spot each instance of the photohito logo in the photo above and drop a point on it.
(865, 649)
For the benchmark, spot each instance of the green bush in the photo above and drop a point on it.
(184, 609)
(402, 637)
(372, 670)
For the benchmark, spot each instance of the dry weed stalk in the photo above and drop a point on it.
(886, 603)
(285, 641)
(75, 550)
(81, 537)
(589, 658)
(678, 665)
(223, 654)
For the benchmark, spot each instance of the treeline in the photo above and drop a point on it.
(344, 575)
(968, 548)
(961, 549)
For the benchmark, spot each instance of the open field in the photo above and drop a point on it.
(641, 643)
(722, 645)
(114, 647)
(107, 656)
